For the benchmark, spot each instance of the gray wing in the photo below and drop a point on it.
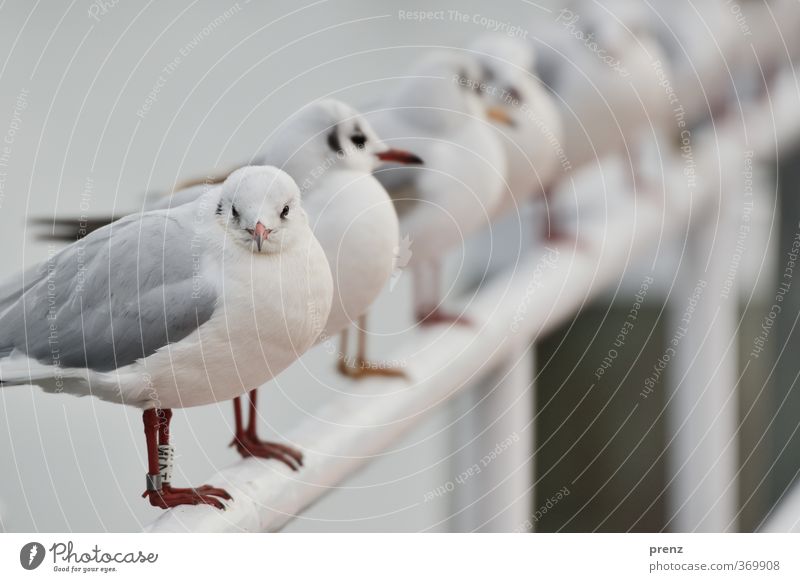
(118, 295)
(401, 184)
(399, 181)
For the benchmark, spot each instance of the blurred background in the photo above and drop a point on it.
(101, 102)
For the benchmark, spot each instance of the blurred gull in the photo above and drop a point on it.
(174, 308)
(531, 141)
(533, 144)
(701, 41)
(436, 111)
(606, 68)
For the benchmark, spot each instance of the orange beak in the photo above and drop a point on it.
(260, 234)
(500, 115)
(399, 156)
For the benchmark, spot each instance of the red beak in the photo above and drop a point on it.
(260, 234)
(399, 156)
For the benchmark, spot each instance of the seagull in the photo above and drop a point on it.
(605, 66)
(175, 308)
(701, 42)
(436, 111)
(330, 151)
(531, 143)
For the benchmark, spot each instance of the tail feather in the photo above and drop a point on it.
(72, 229)
(211, 180)
(19, 370)
(69, 229)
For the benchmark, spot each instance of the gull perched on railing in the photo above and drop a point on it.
(174, 308)
(605, 67)
(533, 142)
(436, 111)
(330, 150)
(701, 42)
(533, 149)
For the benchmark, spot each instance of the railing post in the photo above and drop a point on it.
(495, 472)
(701, 372)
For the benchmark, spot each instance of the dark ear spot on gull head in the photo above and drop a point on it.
(333, 140)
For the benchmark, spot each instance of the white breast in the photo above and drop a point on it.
(355, 222)
(458, 188)
(606, 112)
(532, 147)
(271, 310)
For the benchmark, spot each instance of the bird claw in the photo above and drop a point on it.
(215, 491)
(368, 369)
(168, 496)
(252, 446)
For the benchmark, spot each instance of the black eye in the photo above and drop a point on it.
(235, 212)
(359, 140)
(285, 212)
(514, 95)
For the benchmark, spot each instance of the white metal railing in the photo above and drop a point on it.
(510, 313)
(507, 314)
(786, 515)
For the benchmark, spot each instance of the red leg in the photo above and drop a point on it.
(248, 444)
(163, 439)
(431, 313)
(156, 431)
(343, 365)
(554, 232)
(251, 423)
(438, 315)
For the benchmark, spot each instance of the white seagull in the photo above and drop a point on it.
(330, 151)
(607, 69)
(175, 308)
(436, 111)
(532, 141)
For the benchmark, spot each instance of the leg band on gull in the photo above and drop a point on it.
(154, 482)
(166, 456)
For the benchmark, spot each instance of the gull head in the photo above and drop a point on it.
(441, 89)
(505, 64)
(352, 139)
(329, 135)
(614, 28)
(259, 208)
